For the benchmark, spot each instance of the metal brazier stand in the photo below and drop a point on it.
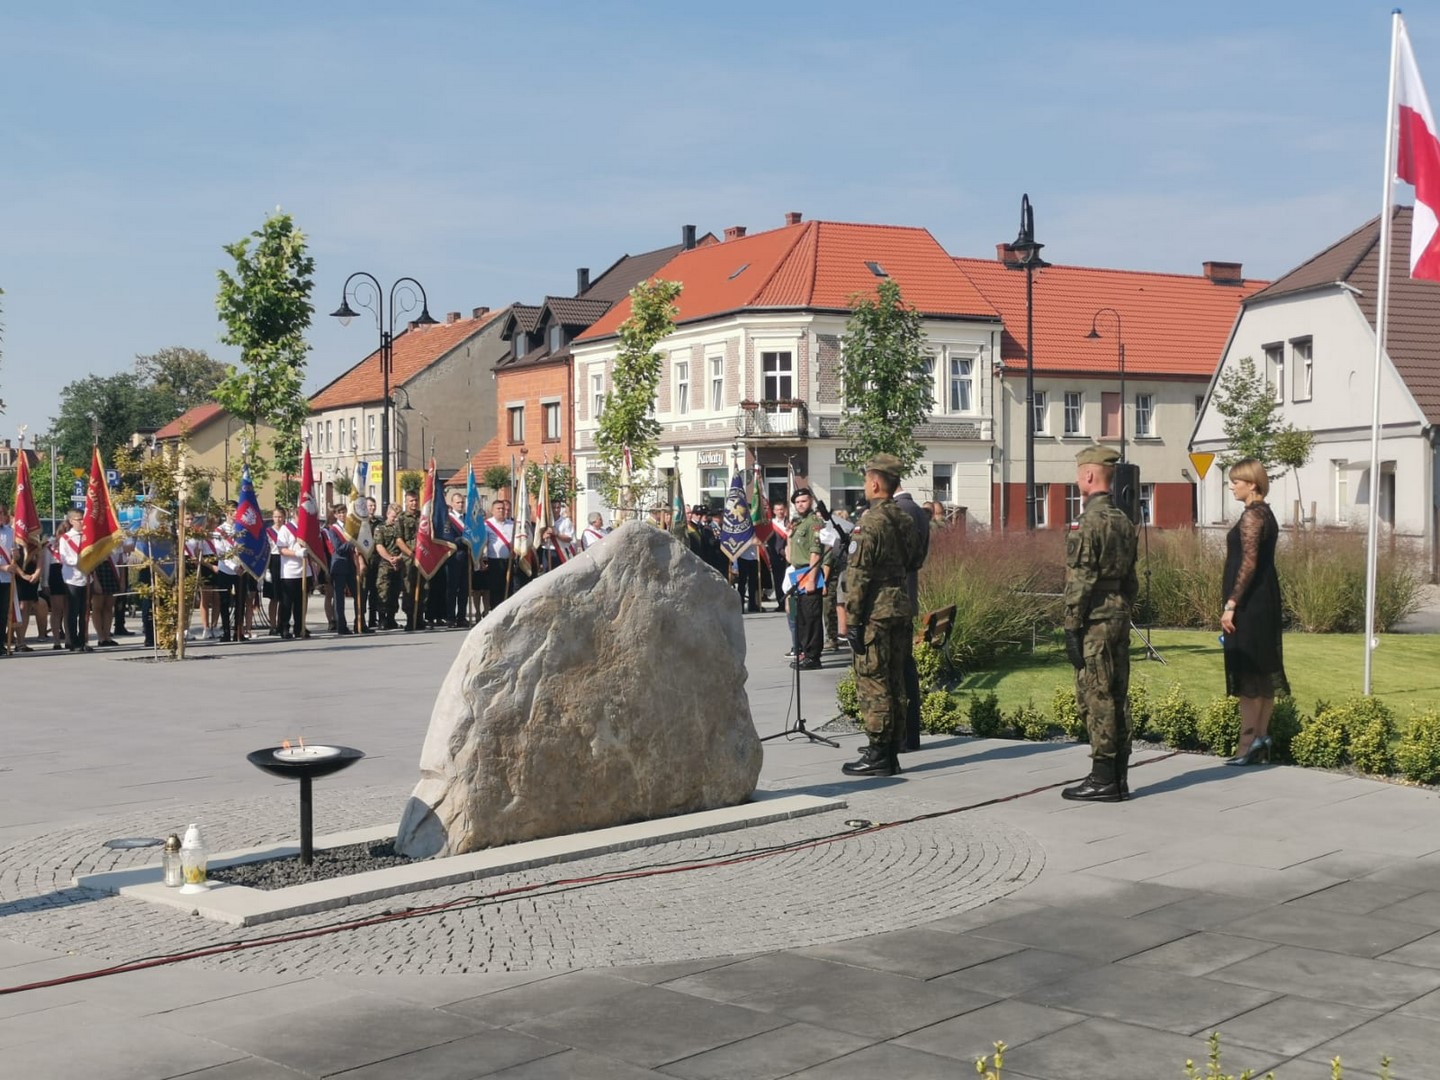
(305, 763)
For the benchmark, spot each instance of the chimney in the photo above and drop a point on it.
(794, 217)
(452, 317)
(582, 280)
(412, 324)
(1224, 273)
(734, 232)
(687, 237)
(1002, 255)
(479, 312)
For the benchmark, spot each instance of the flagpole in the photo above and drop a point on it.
(1382, 314)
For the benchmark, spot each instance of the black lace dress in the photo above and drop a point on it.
(1254, 663)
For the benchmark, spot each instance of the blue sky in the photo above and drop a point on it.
(489, 149)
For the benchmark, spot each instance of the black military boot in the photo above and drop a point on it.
(1122, 776)
(1100, 786)
(877, 760)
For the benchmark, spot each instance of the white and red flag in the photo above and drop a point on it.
(431, 547)
(1418, 159)
(307, 514)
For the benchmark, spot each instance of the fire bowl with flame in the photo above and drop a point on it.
(305, 763)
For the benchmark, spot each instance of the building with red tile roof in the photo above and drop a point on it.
(214, 442)
(442, 400)
(751, 373)
(1173, 328)
(1311, 336)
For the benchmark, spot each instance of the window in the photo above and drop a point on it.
(960, 369)
(342, 436)
(779, 376)
(557, 338)
(1144, 416)
(354, 437)
(717, 383)
(1038, 406)
(714, 483)
(597, 392)
(1304, 352)
(517, 424)
(847, 489)
(941, 490)
(370, 433)
(1147, 504)
(1110, 418)
(329, 435)
(1074, 406)
(682, 386)
(1342, 491)
(930, 375)
(1073, 503)
(1199, 403)
(521, 341)
(1275, 370)
(551, 414)
(1042, 506)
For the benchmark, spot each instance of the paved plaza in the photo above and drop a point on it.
(1298, 912)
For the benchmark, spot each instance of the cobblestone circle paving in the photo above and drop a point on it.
(810, 896)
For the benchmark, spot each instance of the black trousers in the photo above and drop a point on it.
(457, 586)
(77, 614)
(810, 625)
(912, 696)
(748, 580)
(342, 580)
(495, 581)
(229, 585)
(5, 587)
(290, 607)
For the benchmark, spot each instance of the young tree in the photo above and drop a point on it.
(1293, 448)
(187, 377)
(888, 391)
(265, 306)
(1252, 418)
(628, 418)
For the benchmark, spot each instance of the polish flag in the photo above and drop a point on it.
(1419, 161)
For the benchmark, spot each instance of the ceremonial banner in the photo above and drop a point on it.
(431, 548)
(100, 533)
(760, 510)
(475, 532)
(524, 556)
(307, 517)
(26, 521)
(737, 531)
(679, 521)
(1419, 159)
(252, 545)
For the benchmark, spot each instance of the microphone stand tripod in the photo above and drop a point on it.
(799, 728)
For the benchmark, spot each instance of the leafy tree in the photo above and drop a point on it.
(496, 477)
(1252, 418)
(121, 403)
(888, 391)
(628, 416)
(39, 486)
(188, 377)
(410, 481)
(265, 306)
(1293, 447)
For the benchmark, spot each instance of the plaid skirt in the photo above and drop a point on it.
(106, 580)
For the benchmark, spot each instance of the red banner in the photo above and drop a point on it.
(27, 521)
(100, 531)
(307, 516)
(431, 550)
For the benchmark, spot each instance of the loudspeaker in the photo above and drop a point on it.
(1125, 489)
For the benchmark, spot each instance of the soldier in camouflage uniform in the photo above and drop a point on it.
(879, 616)
(807, 602)
(407, 527)
(1100, 588)
(390, 576)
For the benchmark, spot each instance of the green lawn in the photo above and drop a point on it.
(1406, 671)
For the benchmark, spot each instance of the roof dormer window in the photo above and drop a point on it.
(557, 337)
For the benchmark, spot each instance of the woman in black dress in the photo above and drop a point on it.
(1254, 663)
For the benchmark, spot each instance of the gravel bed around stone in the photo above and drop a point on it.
(288, 870)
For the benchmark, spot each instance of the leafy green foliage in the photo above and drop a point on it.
(1031, 722)
(984, 716)
(930, 663)
(1418, 753)
(122, 404)
(1251, 417)
(1321, 741)
(1174, 719)
(1359, 732)
(40, 486)
(1066, 714)
(184, 377)
(888, 392)
(495, 477)
(940, 713)
(1284, 726)
(1142, 708)
(846, 696)
(1218, 726)
(562, 480)
(628, 417)
(410, 481)
(265, 306)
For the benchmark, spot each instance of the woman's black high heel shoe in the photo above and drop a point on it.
(1259, 751)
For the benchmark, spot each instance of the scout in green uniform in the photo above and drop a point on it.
(879, 616)
(407, 527)
(390, 576)
(1100, 588)
(807, 601)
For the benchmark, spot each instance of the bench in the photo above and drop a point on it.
(935, 627)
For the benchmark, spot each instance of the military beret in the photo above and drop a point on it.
(888, 464)
(1097, 455)
(802, 491)
(700, 508)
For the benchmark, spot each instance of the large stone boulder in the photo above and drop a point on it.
(608, 691)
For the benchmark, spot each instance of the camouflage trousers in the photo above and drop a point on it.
(1102, 688)
(880, 680)
(390, 583)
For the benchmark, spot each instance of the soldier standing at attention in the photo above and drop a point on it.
(806, 599)
(879, 617)
(407, 525)
(1100, 588)
(390, 566)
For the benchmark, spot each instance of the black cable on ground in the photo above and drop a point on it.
(539, 888)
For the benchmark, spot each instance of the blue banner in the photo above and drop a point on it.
(252, 546)
(737, 531)
(474, 518)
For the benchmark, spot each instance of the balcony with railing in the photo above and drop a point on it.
(782, 419)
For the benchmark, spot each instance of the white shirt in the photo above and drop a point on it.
(565, 529)
(292, 567)
(223, 540)
(495, 548)
(592, 536)
(70, 560)
(7, 545)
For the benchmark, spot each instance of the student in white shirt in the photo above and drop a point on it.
(76, 586)
(292, 570)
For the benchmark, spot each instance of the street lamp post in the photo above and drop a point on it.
(373, 299)
(1094, 335)
(1026, 252)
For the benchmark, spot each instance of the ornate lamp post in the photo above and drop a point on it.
(1094, 335)
(373, 298)
(1026, 252)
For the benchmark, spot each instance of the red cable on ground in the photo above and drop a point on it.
(516, 890)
